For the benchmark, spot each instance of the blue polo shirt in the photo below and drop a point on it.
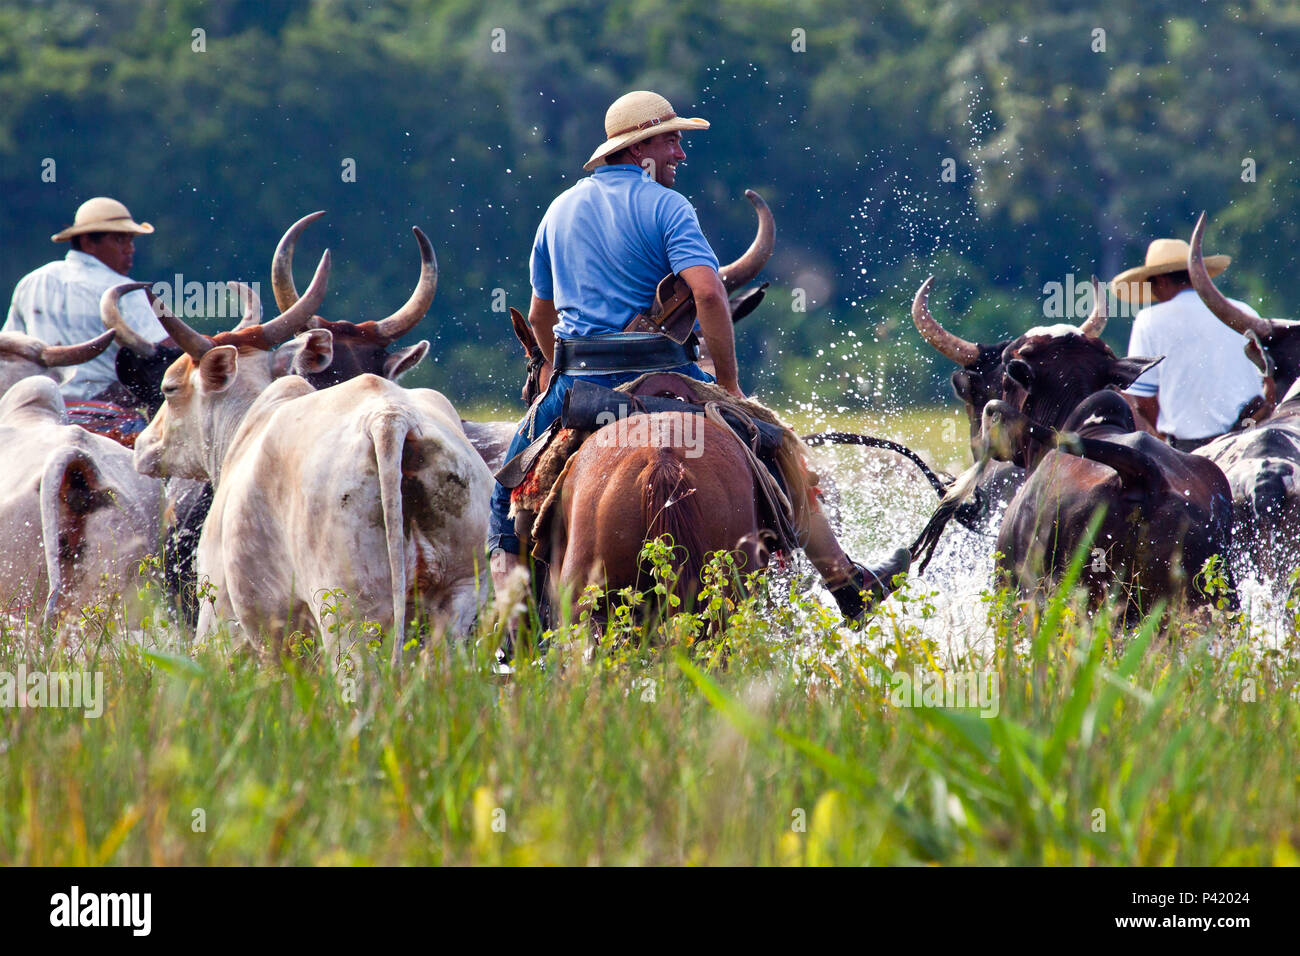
(605, 243)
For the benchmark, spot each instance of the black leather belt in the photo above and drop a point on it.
(622, 352)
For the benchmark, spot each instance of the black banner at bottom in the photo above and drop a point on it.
(334, 905)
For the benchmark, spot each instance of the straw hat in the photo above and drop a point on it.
(102, 214)
(637, 116)
(1163, 255)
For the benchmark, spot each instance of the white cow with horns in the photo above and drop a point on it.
(76, 519)
(363, 501)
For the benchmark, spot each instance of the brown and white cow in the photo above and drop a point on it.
(977, 382)
(359, 502)
(980, 378)
(1165, 512)
(76, 519)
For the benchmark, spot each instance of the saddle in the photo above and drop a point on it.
(672, 313)
(779, 450)
(121, 424)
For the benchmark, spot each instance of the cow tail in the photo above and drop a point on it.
(68, 491)
(670, 504)
(389, 436)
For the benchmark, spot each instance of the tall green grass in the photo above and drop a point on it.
(757, 731)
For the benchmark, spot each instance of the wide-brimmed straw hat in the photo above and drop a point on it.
(636, 116)
(1163, 255)
(102, 214)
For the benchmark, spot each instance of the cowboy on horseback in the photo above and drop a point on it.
(600, 253)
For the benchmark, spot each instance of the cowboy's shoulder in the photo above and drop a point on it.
(55, 269)
(661, 193)
(669, 205)
(1161, 312)
(576, 194)
(52, 275)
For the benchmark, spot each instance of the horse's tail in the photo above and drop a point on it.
(670, 504)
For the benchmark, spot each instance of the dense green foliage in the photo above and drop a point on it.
(1067, 160)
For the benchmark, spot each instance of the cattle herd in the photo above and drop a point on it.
(319, 493)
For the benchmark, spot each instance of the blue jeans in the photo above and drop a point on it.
(544, 411)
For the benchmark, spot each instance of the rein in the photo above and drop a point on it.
(532, 374)
(870, 441)
(970, 515)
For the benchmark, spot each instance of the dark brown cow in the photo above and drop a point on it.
(980, 379)
(1262, 465)
(362, 346)
(1165, 512)
(1262, 461)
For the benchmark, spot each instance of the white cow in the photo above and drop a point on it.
(75, 516)
(359, 502)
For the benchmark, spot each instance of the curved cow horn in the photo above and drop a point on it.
(751, 263)
(406, 318)
(282, 286)
(1095, 324)
(295, 318)
(53, 355)
(949, 345)
(112, 316)
(195, 344)
(1227, 313)
(249, 301)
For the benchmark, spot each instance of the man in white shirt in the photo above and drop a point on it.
(59, 302)
(1198, 392)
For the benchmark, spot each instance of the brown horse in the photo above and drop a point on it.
(688, 477)
(683, 476)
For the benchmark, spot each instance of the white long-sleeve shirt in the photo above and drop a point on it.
(1205, 377)
(59, 304)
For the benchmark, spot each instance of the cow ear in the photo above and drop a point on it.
(307, 353)
(217, 368)
(523, 331)
(403, 360)
(1020, 372)
(1125, 371)
(961, 386)
(1259, 355)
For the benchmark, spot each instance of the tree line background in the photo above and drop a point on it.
(1064, 158)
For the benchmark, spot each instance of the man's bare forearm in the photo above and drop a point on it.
(720, 337)
(714, 313)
